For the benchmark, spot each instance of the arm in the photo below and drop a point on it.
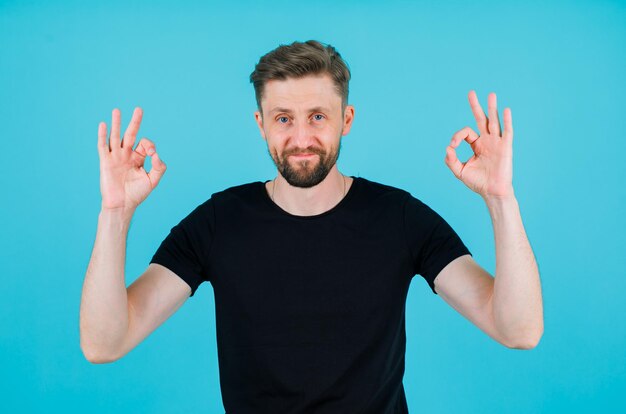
(107, 309)
(115, 319)
(517, 303)
(509, 308)
(104, 305)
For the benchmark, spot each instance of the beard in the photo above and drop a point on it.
(308, 172)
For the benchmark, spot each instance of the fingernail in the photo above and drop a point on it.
(151, 151)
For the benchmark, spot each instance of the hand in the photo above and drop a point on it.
(124, 183)
(489, 172)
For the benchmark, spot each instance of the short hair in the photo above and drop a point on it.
(300, 59)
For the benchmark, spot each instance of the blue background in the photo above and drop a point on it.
(560, 67)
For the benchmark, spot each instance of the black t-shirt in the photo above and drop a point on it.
(310, 309)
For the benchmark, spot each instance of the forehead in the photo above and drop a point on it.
(313, 90)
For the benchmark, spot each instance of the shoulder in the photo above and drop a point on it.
(385, 192)
(248, 196)
(411, 205)
(373, 188)
(240, 191)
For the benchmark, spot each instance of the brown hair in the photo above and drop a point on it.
(300, 59)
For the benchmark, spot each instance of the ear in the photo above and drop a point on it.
(348, 117)
(259, 121)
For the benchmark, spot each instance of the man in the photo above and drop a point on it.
(310, 270)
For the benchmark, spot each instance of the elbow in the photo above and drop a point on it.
(96, 360)
(96, 351)
(96, 356)
(528, 345)
(526, 342)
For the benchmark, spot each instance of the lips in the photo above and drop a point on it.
(303, 155)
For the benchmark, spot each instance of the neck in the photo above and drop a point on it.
(309, 201)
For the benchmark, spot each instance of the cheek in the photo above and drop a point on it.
(275, 142)
(275, 130)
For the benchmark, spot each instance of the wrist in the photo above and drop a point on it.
(119, 214)
(501, 198)
(500, 206)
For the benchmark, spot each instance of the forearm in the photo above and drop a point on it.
(517, 302)
(104, 301)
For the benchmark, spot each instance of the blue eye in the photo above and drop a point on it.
(318, 119)
(281, 118)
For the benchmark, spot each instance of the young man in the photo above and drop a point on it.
(310, 270)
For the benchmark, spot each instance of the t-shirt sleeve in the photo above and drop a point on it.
(432, 242)
(185, 250)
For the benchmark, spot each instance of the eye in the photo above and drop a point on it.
(318, 115)
(282, 119)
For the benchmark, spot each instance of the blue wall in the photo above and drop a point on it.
(560, 67)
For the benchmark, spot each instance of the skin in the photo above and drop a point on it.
(509, 307)
(124, 183)
(304, 116)
(115, 319)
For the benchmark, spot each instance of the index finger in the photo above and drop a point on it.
(479, 114)
(133, 128)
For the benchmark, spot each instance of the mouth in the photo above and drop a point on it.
(299, 156)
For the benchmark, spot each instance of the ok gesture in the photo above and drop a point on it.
(124, 183)
(489, 172)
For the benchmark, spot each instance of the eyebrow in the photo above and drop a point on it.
(289, 111)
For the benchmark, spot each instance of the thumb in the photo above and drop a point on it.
(157, 170)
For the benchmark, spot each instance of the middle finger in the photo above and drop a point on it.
(133, 128)
(494, 122)
(114, 140)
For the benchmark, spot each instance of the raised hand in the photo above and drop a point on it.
(124, 183)
(489, 172)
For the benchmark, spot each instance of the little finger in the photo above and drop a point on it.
(103, 147)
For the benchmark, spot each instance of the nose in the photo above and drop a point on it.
(303, 135)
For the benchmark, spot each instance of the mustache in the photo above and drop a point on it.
(309, 150)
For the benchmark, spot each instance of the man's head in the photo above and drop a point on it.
(297, 60)
(302, 92)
